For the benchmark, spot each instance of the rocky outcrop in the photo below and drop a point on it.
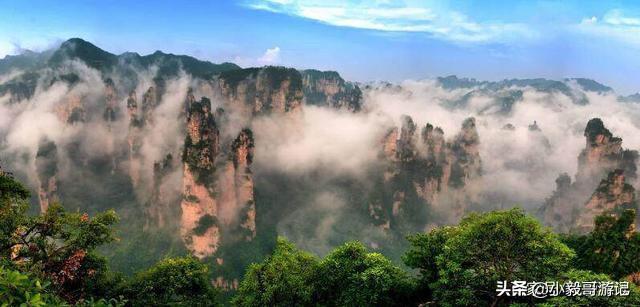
(254, 91)
(604, 167)
(140, 116)
(390, 144)
(242, 202)
(132, 110)
(134, 138)
(423, 169)
(466, 156)
(199, 224)
(111, 101)
(270, 89)
(327, 88)
(612, 195)
(218, 200)
(603, 153)
(47, 170)
(71, 110)
(150, 100)
(157, 209)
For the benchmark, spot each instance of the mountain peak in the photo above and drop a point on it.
(77, 48)
(591, 85)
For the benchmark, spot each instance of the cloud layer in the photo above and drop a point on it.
(444, 24)
(615, 24)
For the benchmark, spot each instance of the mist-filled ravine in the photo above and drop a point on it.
(278, 166)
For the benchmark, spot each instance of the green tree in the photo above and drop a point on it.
(484, 248)
(422, 255)
(20, 289)
(283, 279)
(13, 208)
(613, 247)
(60, 246)
(172, 282)
(351, 276)
(57, 246)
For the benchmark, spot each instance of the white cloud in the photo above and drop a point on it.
(616, 25)
(443, 24)
(617, 18)
(271, 56)
(6, 48)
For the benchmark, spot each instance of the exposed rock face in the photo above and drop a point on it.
(140, 116)
(612, 195)
(390, 144)
(47, 169)
(243, 200)
(327, 88)
(111, 105)
(218, 197)
(158, 211)
(132, 110)
(422, 169)
(406, 144)
(254, 91)
(150, 100)
(603, 166)
(134, 138)
(72, 110)
(466, 163)
(438, 161)
(603, 153)
(199, 224)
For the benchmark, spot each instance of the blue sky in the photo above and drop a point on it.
(363, 40)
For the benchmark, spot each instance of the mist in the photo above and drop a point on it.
(316, 164)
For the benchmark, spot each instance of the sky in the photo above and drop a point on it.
(363, 40)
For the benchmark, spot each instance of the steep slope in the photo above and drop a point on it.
(217, 183)
(327, 88)
(604, 167)
(254, 91)
(425, 174)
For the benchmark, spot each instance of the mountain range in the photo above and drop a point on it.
(218, 160)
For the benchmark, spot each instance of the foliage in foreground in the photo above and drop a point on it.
(456, 266)
(348, 276)
(173, 281)
(612, 248)
(51, 259)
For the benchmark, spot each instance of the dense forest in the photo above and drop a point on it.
(52, 259)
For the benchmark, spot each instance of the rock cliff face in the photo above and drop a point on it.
(603, 153)
(150, 100)
(47, 169)
(218, 197)
(613, 194)
(327, 88)
(158, 211)
(424, 171)
(140, 116)
(111, 101)
(255, 91)
(71, 110)
(603, 166)
(134, 138)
